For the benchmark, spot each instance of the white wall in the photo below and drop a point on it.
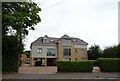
(80, 46)
(35, 54)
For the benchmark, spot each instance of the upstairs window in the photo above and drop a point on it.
(45, 39)
(67, 52)
(51, 52)
(39, 50)
(76, 50)
(67, 43)
(82, 51)
(82, 58)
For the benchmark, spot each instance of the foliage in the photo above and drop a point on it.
(19, 17)
(75, 66)
(9, 54)
(94, 52)
(111, 52)
(109, 64)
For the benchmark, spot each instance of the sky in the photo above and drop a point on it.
(94, 21)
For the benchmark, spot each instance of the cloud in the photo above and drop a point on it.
(94, 21)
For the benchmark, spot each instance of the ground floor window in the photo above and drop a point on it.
(82, 58)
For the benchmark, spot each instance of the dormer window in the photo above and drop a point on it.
(45, 39)
(52, 40)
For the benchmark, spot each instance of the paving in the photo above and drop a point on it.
(27, 69)
(50, 72)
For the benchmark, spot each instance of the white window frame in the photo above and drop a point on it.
(39, 50)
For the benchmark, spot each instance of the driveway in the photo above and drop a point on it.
(50, 72)
(27, 69)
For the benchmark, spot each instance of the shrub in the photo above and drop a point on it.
(109, 64)
(9, 54)
(74, 66)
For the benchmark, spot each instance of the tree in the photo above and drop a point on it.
(111, 52)
(18, 17)
(94, 52)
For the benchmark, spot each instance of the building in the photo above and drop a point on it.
(47, 50)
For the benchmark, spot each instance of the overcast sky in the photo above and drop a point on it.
(94, 21)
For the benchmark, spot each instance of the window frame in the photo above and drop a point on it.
(49, 50)
(67, 42)
(82, 51)
(68, 51)
(39, 50)
(66, 59)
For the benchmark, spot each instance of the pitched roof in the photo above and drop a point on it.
(39, 41)
(52, 40)
(78, 41)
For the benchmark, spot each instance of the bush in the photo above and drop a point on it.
(74, 66)
(9, 54)
(109, 64)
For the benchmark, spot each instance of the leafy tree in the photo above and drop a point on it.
(111, 52)
(17, 19)
(94, 52)
(20, 16)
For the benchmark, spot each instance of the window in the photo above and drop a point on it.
(82, 58)
(45, 40)
(82, 51)
(67, 42)
(39, 50)
(67, 59)
(76, 58)
(51, 52)
(67, 52)
(76, 50)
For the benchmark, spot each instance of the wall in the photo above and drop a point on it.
(74, 55)
(35, 54)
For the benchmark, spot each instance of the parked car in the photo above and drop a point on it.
(38, 63)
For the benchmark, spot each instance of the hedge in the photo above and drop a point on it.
(9, 54)
(109, 64)
(74, 66)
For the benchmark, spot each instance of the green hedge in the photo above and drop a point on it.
(9, 54)
(109, 64)
(75, 66)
